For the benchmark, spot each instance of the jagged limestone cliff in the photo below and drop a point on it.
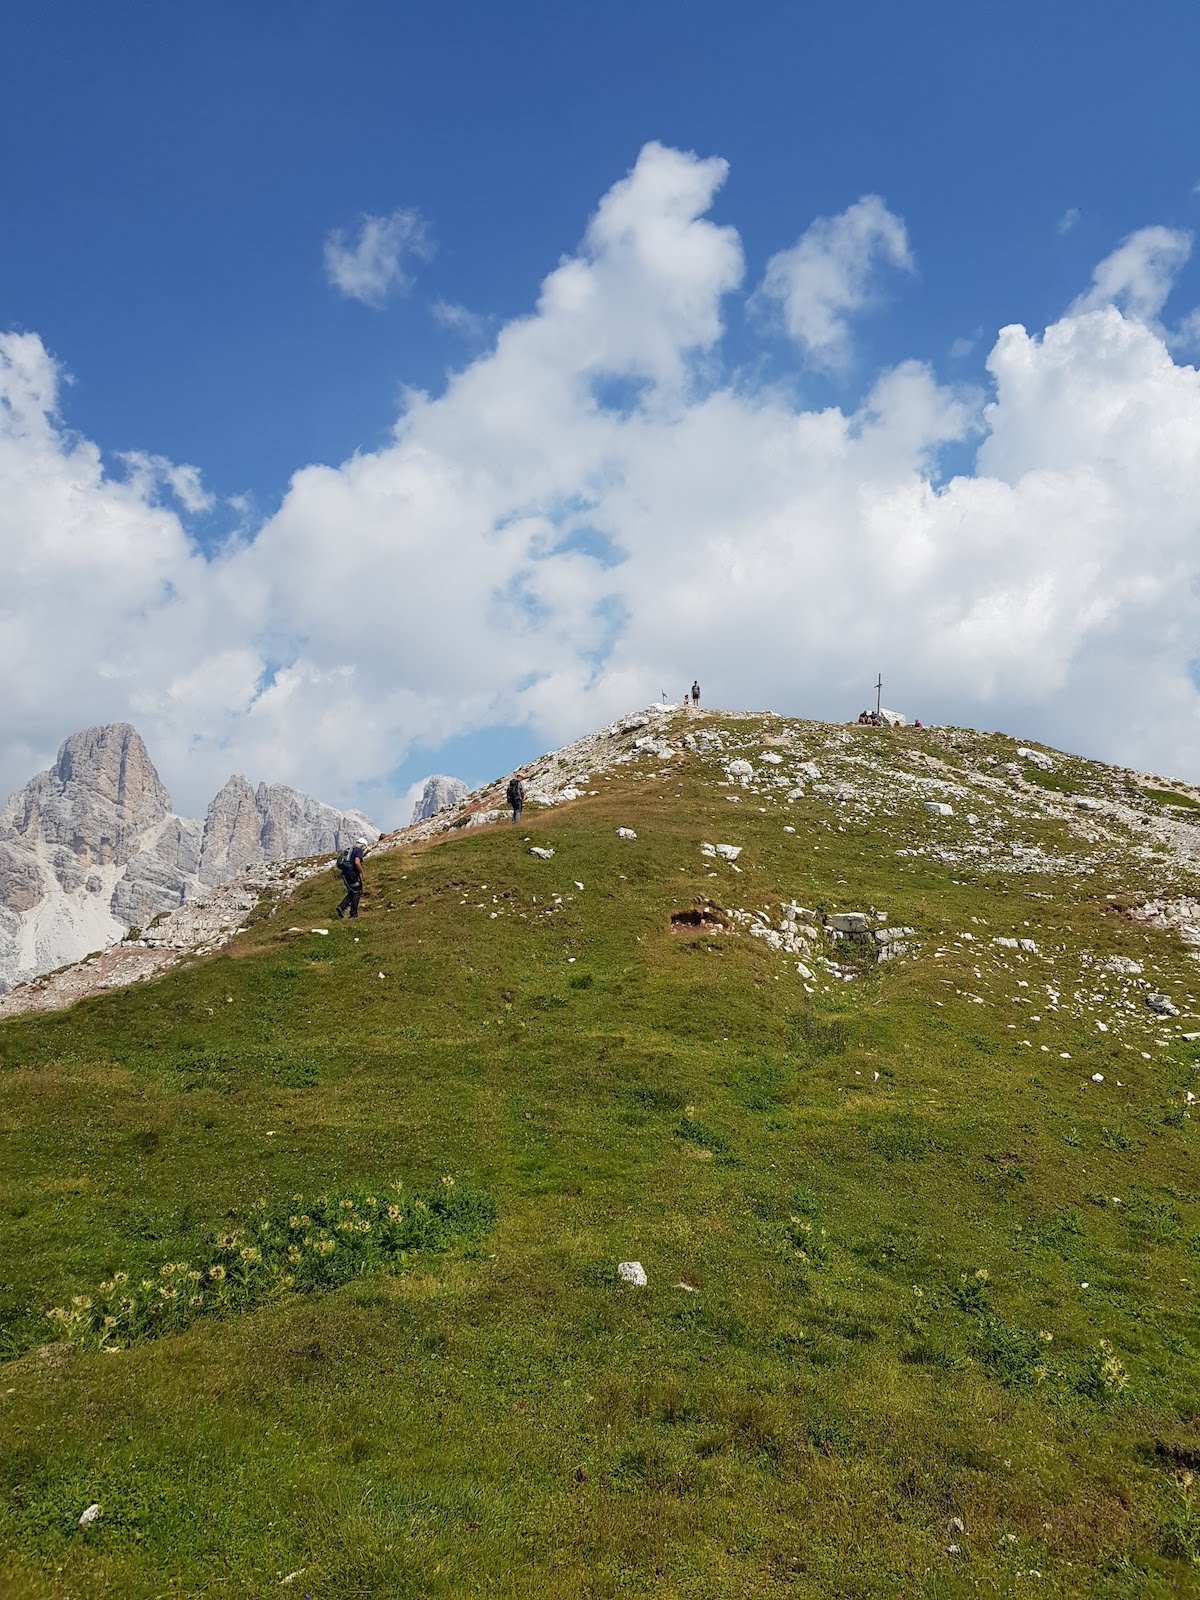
(92, 846)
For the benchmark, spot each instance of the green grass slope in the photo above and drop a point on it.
(920, 1317)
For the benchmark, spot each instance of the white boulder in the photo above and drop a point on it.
(1036, 758)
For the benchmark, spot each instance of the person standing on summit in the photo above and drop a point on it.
(350, 865)
(695, 692)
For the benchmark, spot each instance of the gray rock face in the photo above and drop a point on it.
(21, 881)
(271, 823)
(97, 800)
(92, 847)
(161, 876)
(439, 794)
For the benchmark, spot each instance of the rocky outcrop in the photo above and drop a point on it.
(271, 823)
(92, 847)
(439, 794)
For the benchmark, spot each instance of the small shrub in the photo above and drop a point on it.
(1181, 1529)
(300, 1248)
(1103, 1376)
(971, 1291)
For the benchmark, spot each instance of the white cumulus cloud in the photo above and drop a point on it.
(373, 262)
(1140, 273)
(595, 508)
(830, 272)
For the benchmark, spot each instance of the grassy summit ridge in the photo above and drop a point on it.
(868, 1206)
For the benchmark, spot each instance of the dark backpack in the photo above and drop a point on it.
(513, 792)
(346, 865)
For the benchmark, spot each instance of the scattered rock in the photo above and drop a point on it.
(89, 1515)
(729, 852)
(541, 852)
(1125, 965)
(626, 833)
(1162, 1005)
(632, 1272)
(939, 808)
(849, 922)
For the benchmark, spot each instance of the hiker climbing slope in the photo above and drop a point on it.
(350, 865)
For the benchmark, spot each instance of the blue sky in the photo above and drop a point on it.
(171, 175)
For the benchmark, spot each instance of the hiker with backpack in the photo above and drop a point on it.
(515, 795)
(350, 865)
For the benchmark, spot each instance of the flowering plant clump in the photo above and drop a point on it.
(294, 1249)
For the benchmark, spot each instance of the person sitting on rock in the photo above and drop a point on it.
(350, 865)
(515, 795)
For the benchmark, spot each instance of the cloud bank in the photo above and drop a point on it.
(595, 509)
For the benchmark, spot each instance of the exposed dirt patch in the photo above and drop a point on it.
(705, 918)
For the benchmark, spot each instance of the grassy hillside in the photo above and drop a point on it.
(920, 1317)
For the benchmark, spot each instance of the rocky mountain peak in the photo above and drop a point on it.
(97, 800)
(439, 794)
